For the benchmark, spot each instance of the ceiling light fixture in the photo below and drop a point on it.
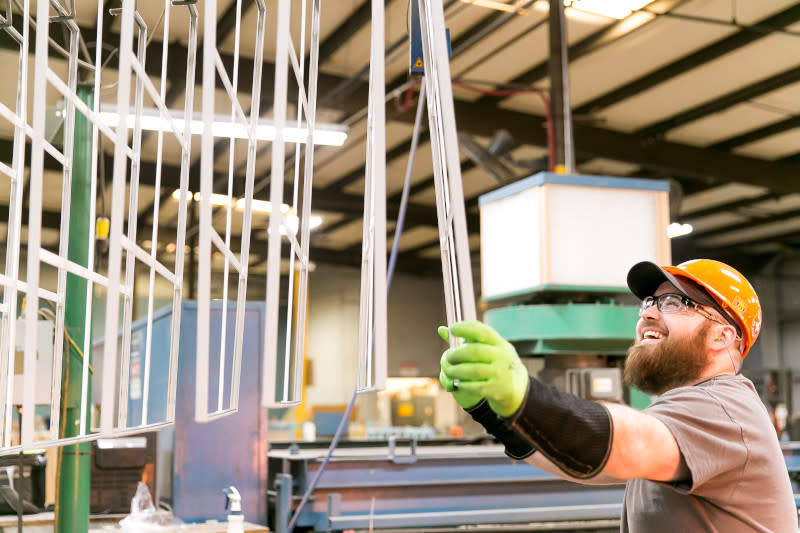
(324, 134)
(617, 9)
(676, 229)
(258, 206)
(292, 222)
(498, 6)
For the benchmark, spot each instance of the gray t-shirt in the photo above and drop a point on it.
(738, 478)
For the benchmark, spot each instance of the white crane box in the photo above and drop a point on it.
(570, 232)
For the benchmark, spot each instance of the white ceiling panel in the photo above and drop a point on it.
(247, 32)
(354, 55)
(331, 15)
(527, 103)
(52, 188)
(530, 50)
(347, 160)
(719, 196)
(145, 197)
(339, 161)
(434, 252)
(532, 47)
(642, 51)
(725, 10)
(725, 124)
(718, 220)
(5, 190)
(426, 197)
(774, 147)
(705, 82)
(414, 237)
(607, 167)
(783, 204)
(785, 100)
(170, 151)
(85, 10)
(340, 238)
(756, 232)
(396, 170)
(152, 13)
(431, 253)
(487, 48)
(8, 89)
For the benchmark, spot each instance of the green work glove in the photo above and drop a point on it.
(487, 366)
(464, 399)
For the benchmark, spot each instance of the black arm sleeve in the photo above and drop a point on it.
(573, 433)
(517, 447)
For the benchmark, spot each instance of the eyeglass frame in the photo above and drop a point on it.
(688, 304)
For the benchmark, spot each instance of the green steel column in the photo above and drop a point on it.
(72, 499)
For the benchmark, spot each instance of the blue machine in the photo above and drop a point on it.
(207, 457)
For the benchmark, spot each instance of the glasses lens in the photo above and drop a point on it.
(666, 303)
(646, 303)
(671, 303)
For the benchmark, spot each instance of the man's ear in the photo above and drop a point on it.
(725, 337)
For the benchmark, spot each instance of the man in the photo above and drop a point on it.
(702, 457)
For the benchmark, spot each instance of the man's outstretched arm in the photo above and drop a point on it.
(582, 438)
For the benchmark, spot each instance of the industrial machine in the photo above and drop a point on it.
(559, 294)
(194, 461)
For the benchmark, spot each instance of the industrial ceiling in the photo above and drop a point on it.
(702, 92)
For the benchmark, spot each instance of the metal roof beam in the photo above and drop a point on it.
(753, 222)
(727, 206)
(591, 141)
(398, 151)
(757, 134)
(700, 57)
(603, 37)
(722, 103)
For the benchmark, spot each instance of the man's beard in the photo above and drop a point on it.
(669, 363)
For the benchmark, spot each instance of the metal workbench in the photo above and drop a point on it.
(418, 486)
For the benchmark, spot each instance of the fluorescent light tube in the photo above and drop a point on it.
(258, 206)
(618, 9)
(324, 134)
(498, 6)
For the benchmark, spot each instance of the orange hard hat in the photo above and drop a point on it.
(728, 288)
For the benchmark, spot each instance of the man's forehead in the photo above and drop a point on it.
(666, 288)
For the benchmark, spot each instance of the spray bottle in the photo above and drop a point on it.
(235, 516)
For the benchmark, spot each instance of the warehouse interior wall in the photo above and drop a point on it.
(416, 308)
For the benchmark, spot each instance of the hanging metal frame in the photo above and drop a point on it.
(282, 378)
(115, 372)
(114, 419)
(372, 325)
(456, 262)
(208, 238)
